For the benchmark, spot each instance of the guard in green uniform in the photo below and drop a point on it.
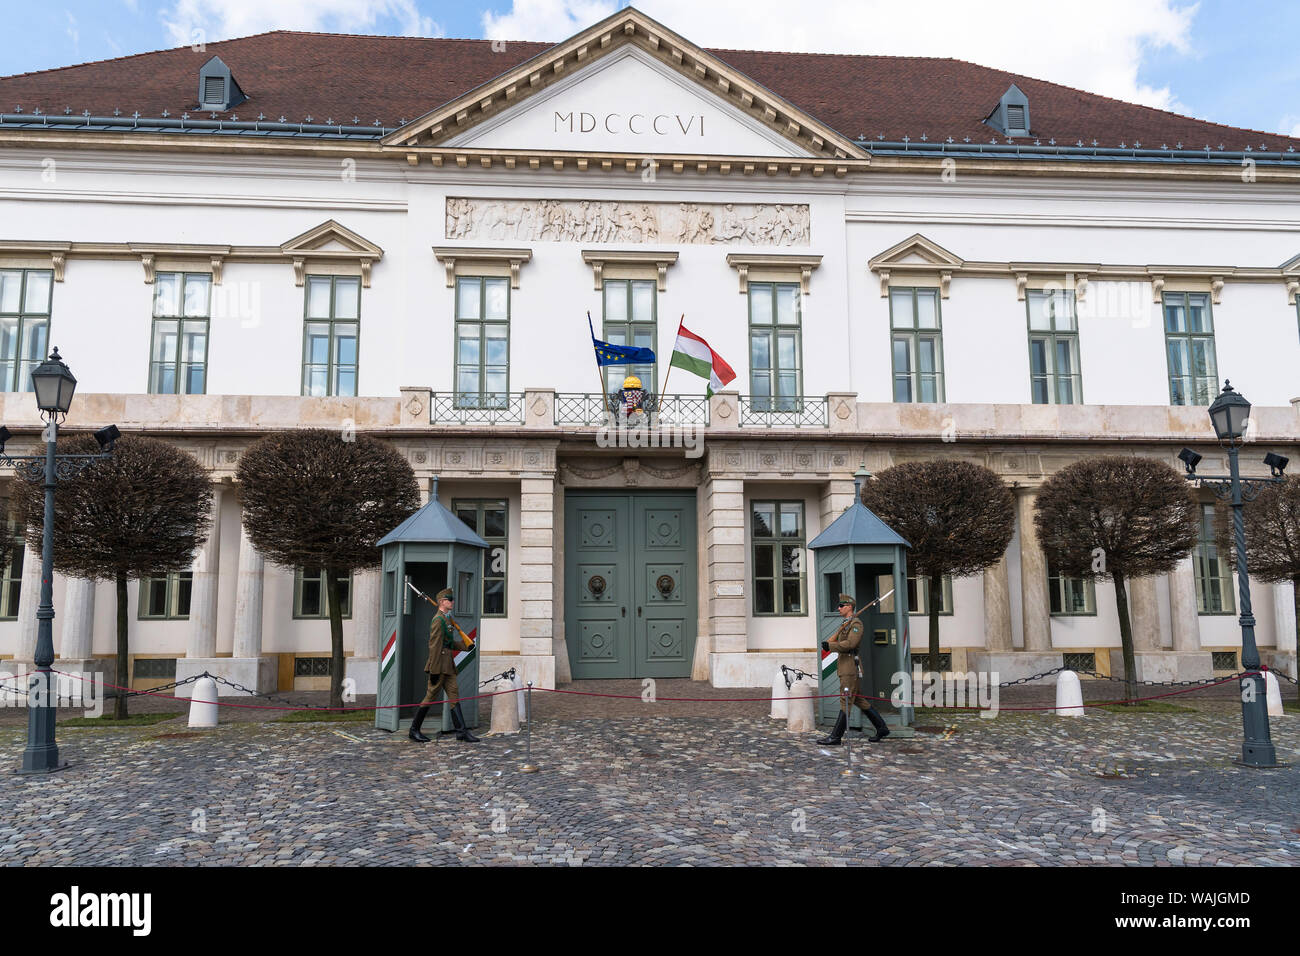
(444, 640)
(845, 643)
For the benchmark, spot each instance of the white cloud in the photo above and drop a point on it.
(220, 19)
(73, 33)
(1097, 45)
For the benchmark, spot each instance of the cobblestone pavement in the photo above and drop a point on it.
(709, 784)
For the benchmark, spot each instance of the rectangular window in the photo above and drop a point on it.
(11, 582)
(25, 296)
(631, 318)
(1213, 572)
(166, 597)
(775, 346)
(1189, 341)
(1054, 375)
(482, 342)
(331, 329)
(178, 355)
(488, 520)
(918, 595)
(777, 535)
(917, 345)
(1070, 595)
(310, 599)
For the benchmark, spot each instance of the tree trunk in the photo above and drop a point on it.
(334, 590)
(1125, 637)
(936, 598)
(123, 669)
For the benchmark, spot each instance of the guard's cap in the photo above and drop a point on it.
(445, 595)
(847, 599)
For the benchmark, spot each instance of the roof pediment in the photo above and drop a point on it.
(916, 250)
(331, 240)
(627, 70)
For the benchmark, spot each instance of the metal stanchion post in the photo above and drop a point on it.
(528, 732)
(846, 702)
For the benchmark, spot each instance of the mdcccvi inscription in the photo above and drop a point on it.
(593, 220)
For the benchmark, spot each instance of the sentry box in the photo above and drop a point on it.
(859, 554)
(431, 550)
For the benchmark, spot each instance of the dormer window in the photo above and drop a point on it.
(1011, 115)
(217, 87)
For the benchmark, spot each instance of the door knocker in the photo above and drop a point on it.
(665, 584)
(596, 585)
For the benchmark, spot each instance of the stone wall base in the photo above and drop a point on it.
(257, 673)
(104, 668)
(756, 669)
(540, 669)
(1282, 661)
(1013, 665)
(1164, 665)
(365, 672)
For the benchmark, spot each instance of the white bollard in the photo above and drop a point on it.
(203, 703)
(1274, 695)
(799, 717)
(780, 706)
(1069, 695)
(517, 683)
(505, 713)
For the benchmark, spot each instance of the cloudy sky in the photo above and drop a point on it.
(1230, 62)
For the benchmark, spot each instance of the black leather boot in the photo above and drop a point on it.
(458, 721)
(882, 729)
(416, 721)
(837, 732)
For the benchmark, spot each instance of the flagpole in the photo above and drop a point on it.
(680, 323)
(600, 372)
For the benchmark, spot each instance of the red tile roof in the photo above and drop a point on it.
(338, 77)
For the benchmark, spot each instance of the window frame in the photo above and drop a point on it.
(615, 374)
(776, 542)
(179, 321)
(768, 402)
(298, 574)
(331, 367)
(912, 335)
(1054, 336)
(1190, 338)
(480, 505)
(22, 315)
(1057, 585)
(11, 577)
(481, 398)
(922, 585)
(173, 583)
(1205, 538)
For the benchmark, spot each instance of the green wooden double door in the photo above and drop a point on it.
(630, 584)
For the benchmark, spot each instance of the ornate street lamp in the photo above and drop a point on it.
(1229, 415)
(53, 383)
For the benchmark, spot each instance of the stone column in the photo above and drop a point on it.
(363, 665)
(1144, 613)
(537, 656)
(204, 590)
(722, 657)
(997, 607)
(1284, 612)
(78, 613)
(1036, 610)
(29, 599)
(246, 666)
(1183, 618)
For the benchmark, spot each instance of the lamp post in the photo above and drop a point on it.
(1229, 415)
(53, 383)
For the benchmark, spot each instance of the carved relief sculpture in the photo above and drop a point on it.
(591, 220)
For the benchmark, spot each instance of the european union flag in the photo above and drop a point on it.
(607, 354)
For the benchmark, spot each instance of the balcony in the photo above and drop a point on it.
(490, 408)
(661, 410)
(784, 411)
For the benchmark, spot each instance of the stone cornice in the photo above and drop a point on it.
(661, 259)
(743, 262)
(450, 255)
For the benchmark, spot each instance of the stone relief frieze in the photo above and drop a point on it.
(590, 220)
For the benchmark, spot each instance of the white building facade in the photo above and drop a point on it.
(881, 301)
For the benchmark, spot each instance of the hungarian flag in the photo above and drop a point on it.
(692, 354)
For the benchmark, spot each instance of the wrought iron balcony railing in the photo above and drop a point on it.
(660, 410)
(477, 408)
(784, 411)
